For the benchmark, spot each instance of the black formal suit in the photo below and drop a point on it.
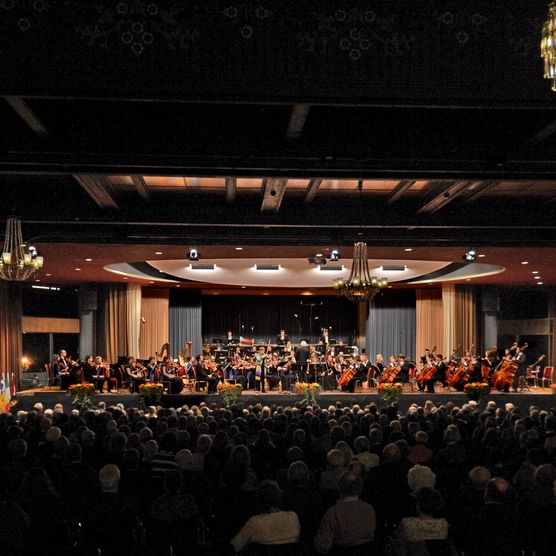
(521, 360)
(324, 340)
(282, 340)
(302, 355)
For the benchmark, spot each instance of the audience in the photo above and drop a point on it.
(358, 479)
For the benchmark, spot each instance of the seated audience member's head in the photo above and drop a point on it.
(429, 501)
(109, 477)
(419, 477)
(357, 468)
(479, 477)
(172, 481)
(361, 444)
(391, 453)
(53, 434)
(17, 449)
(545, 475)
(497, 491)
(335, 458)
(350, 484)
(269, 496)
(299, 474)
(421, 437)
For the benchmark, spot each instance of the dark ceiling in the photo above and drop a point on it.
(438, 108)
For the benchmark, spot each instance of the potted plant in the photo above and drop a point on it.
(229, 392)
(309, 391)
(81, 393)
(390, 391)
(151, 392)
(477, 391)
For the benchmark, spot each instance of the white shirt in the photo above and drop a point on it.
(271, 528)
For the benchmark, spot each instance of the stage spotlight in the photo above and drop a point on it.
(470, 256)
(335, 255)
(193, 255)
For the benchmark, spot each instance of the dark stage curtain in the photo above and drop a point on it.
(185, 321)
(262, 317)
(391, 324)
(10, 328)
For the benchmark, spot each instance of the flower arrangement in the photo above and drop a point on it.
(390, 391)
(151, 392)
(229, 391)
(81, 393)
(477, 391)
(308, 390)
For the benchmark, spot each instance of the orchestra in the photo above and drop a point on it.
(279, 366)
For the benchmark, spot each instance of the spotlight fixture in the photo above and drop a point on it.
(470, 256)
(335, 256)
(193, 254)
(317, 259)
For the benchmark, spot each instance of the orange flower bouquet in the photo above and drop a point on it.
(477, 391)
(151, 392)
(81, 393)
(308, 390)
(389, 391)
(229, 392)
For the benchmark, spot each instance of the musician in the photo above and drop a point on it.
(63, 369)
(426, 357)
(521, 359)
(302, 354)
(282, 339)
(89, 369)
(311, 374)
(135, 374)
(365, 366)
(285, 372)
(152, 373)
(229, 339)
(475, 374)
(234, 371)
(354, 367)
(406, 367)
(272, 374)
(260, 368)
(441, 368)
(203, 374)
(324, 339)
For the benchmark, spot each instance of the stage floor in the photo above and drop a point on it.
(26, 399)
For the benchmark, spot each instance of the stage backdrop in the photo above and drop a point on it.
(391, 324)
(261, 317)
(185, 321)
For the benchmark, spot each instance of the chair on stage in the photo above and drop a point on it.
(126, 383)
(547, 376)
(50, 380)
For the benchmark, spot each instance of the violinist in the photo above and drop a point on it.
(151, 370)
(101, 374)
(272, 372)
(134, 373)
(475, 370)
(329, 376)
(89, 369)
(324, 340)
(284, 368)
(64, 365)
(204, 374)
(168, 373)
(234, 371)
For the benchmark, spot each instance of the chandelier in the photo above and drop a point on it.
(18, 262)
(360, 286)
(548, 45)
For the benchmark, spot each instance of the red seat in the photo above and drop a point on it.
(547, 375)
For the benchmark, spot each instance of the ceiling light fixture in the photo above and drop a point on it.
(360, 286)
(408, 249)
(470, 256)
(481, 255)
(540, 283)
(534, 272)
(239, 248)
(335, 256)
(524, 262)
(193, 254)
(158, 253)
(88, 260)
(18, 262)
(548, 45)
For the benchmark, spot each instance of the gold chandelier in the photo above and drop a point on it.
(18, 262)
(548, 45)
(360, 286)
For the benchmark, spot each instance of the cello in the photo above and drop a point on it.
(390, 374)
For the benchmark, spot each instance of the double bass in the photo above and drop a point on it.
(503, 376)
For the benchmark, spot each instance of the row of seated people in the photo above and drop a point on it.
(343, 480)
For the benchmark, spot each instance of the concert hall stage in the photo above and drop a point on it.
(25, 400)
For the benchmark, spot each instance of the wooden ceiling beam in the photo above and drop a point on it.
(231, 189)
(399, 191)
(141, 187)
(311, 191)
(482, 188)
(98, 189)
(22, 109)
(274, 189)
(296, 124)
(449, 194)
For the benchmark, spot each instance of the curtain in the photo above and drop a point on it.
(262, 317)
(430, 321)
(154, 321)
(185, 315)
(460, 319)
(115, 322)
(10, 328)
(133, 320)
(391, 324)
